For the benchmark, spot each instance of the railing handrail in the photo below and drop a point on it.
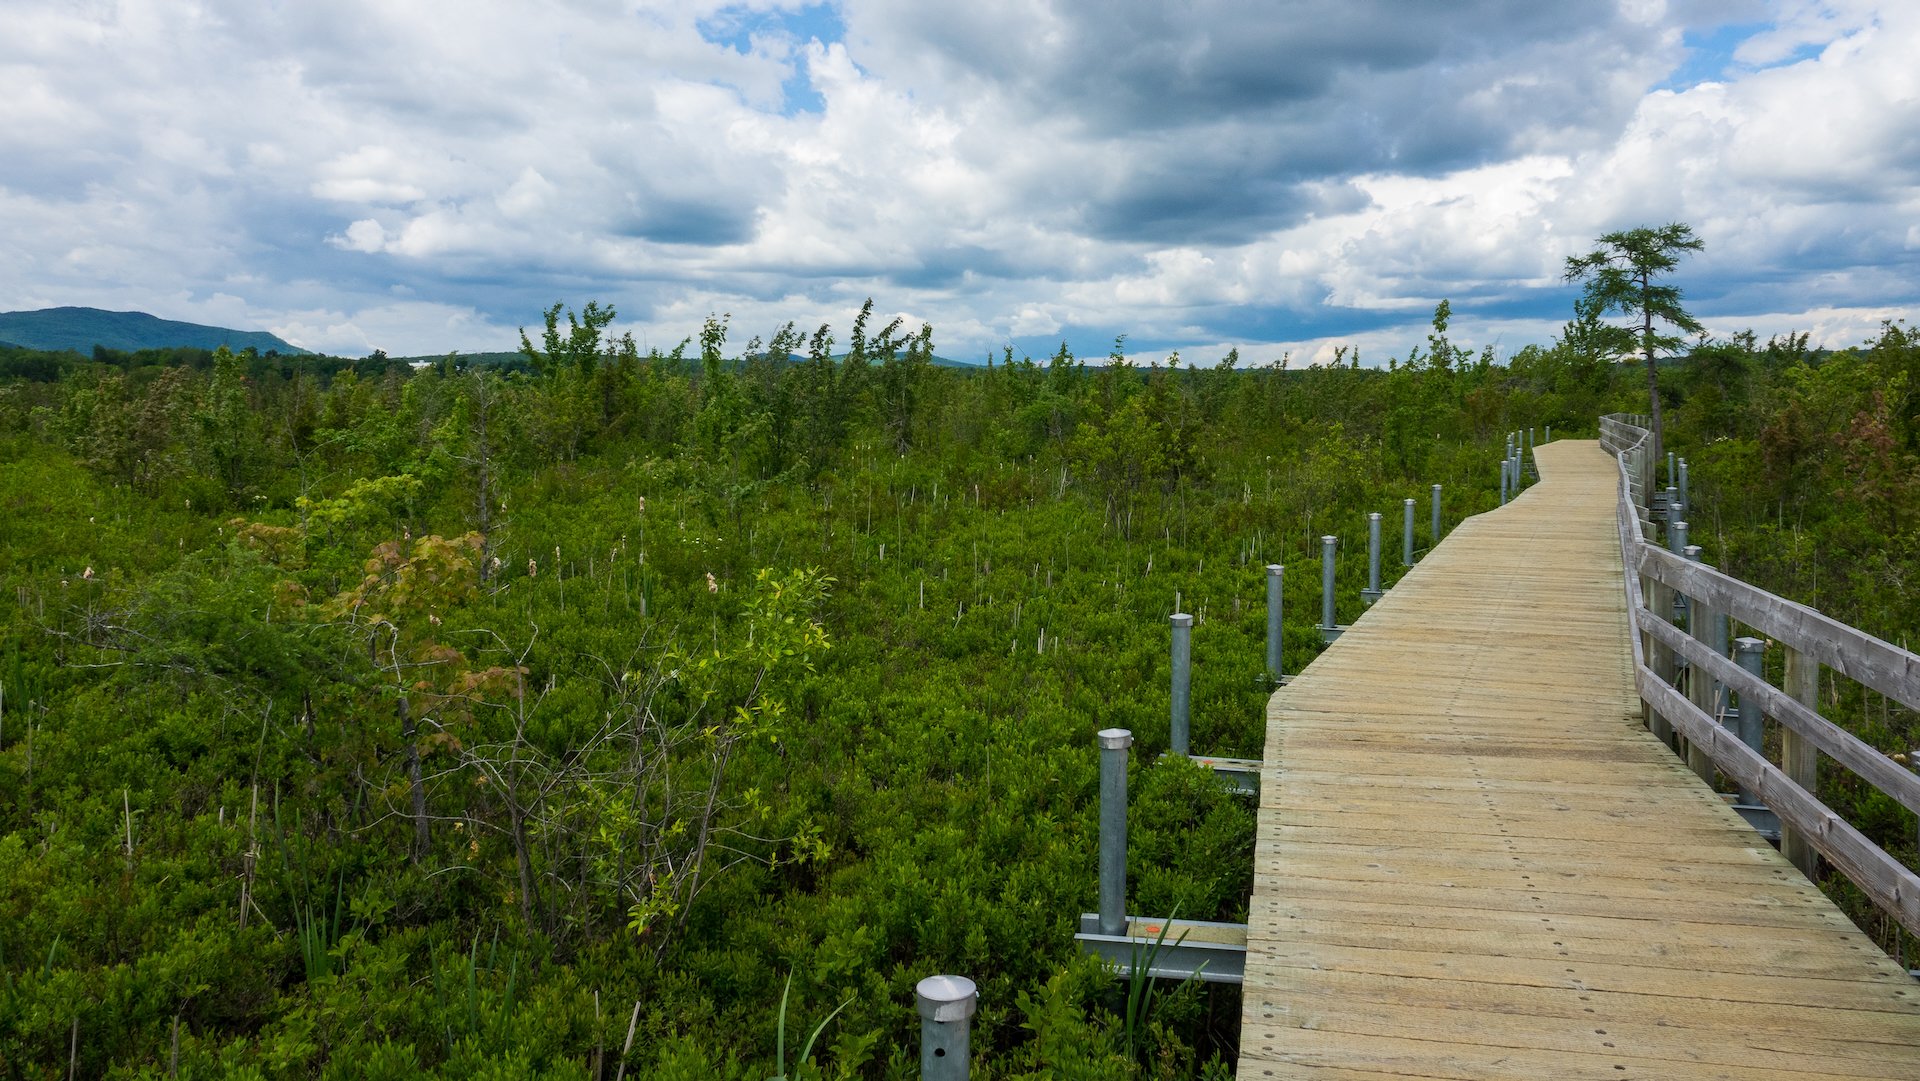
(1819, 639)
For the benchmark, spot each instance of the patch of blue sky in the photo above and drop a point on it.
(1710, 58)
(736, 27)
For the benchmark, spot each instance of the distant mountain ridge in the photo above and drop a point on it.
(80, 329)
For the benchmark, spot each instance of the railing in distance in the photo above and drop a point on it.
(1812, 640)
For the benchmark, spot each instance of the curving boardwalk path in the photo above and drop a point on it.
(1474, 862)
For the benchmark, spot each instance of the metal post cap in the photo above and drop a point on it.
(1115, 739)
(1329, 540)
(1692, 552)
(1275, 569)
(1748, 645)
(1409, 500)
(946, 998)
(1372, 515)
(1181, 619)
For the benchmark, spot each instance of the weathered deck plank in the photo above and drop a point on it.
(1473, 861)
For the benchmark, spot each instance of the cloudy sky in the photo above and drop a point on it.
(1278, 176)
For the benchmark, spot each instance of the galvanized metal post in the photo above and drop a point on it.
(1670, 473)
(1113, 829)
(1504, 466)
(1913, 763)
(1406, 534)
(1373, 552)
(1686, 505)
(1436, 517)
(1677, 541)
(1751, 655)
(1275, 576)
(1326, 582)
(1549, 437)
(1699, 685)
(946, 1005)
(1182, 674)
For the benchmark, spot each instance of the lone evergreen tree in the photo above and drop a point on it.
(1619, 276)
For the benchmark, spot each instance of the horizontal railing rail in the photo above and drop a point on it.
(1691, 719)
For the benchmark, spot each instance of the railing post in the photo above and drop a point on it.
(1275, 578)
(1327, 625)
(1699, 682)
(1799, 758)
(1372, 592)
(1113, 829)
(1549, 437)
(946, 1005)
(1182, 677)
(1676, 524)
(1406, 534)
(1436, 517)
(1686, 505)
(1751, 654)
(1670, 473)
(1506, 467)
(1659, 597)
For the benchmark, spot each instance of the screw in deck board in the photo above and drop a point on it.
(1372, 592)
(1275, 576)
(946, 1005)
(1436, 516)
(1327, 625)
(1406, 534)
(1182, 679)
(1113, 829)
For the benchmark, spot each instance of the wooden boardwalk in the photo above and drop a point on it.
(1474, 862)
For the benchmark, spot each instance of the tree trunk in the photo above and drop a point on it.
(409, 734)
(1653, 388)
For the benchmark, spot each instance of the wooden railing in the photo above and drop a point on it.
(1627, 434)
(1680, 699)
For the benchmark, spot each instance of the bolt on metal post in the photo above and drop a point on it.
(1436, 516)
(1406, 533)
(1326, 581)
(946, 1005)
(1182, 676)
(1113, 829)
(1275, 578)
(1751, 655)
